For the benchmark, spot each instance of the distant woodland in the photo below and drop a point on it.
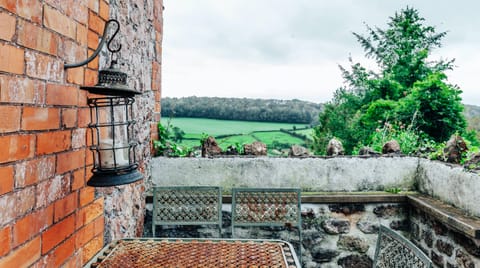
(285, 111)
(265, 110)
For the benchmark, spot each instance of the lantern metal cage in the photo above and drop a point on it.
(112, 124)
(113, 146)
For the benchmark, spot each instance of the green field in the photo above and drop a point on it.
(216, 127)
(242, 132)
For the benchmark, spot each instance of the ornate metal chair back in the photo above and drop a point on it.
(394, 250)
(187, 205)
(267, 207)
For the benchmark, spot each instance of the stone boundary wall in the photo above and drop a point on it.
(451, 184)
(311, 174)
(448, 183)
(445, 247)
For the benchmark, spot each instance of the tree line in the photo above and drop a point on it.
(264, 110)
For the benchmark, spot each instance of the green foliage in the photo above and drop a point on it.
(437, 106)
(166, 144)
(393, 190)
(408, 139)
(408, 89)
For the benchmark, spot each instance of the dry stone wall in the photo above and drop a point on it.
(446, 247)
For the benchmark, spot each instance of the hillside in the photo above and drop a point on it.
(264, 110)
(472, 114)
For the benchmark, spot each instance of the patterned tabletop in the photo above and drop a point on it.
(195, 253)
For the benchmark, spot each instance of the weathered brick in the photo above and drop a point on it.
(92, 40)
(33, 171)
(69, 117)
(44, 67)
(6, 179)
(90, 212)
(90, 249)
(58, 22)
(79, 138)
(57, 233)
(156, 76)
(99, 225)
(16, 147)
(83, 117)
(65, 206)
(87, 195)
(53, 189)
(90, 77)
(103, 10)
(24, 201)
(75, 76)
(30, 9)
(24, 256)
(71, 52)
(70, 161)
(52, 142)
(7, 27)
(63, 252)
(21, 90)
(94, 63)
(34, 37)
(93, 5)
(78, 12)
(78, 179)
(82, 98)
(36, 118)
(10, 5)
(74, 261)
(85, 234)
(89, 156)
(10, 118)
(158, 15)
(95, 23)
(29, 226)
(82, 34)
(5, 240)
(13, 59)
(58, 94)
(158, 47)
(7, 201)
(16, 204)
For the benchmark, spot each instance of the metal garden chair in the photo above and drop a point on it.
(267, 207)
(394, 250)
(187, 205)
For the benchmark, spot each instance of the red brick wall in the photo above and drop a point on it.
(48, 216)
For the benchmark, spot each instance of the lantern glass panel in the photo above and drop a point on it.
(112, 130)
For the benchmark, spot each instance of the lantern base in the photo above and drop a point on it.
(112, 179)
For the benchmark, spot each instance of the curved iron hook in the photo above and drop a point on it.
(100, 46)
(113, 36)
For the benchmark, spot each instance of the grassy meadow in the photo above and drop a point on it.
(231, 132)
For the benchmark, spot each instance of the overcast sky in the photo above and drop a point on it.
(291, 49)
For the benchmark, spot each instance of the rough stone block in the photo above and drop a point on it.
(336, 226)
(355, 261)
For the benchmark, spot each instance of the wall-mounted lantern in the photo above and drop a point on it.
(112, 122)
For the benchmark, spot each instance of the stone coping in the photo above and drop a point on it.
(447, 214)
(450, 216)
